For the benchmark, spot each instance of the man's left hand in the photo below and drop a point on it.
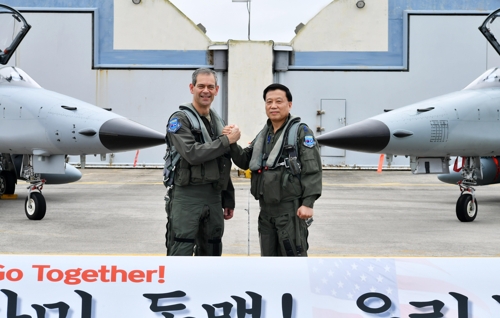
(228, 213)
(227, 130)
(305, 212)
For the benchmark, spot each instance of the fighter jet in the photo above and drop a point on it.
(40, 128)
(464, 124)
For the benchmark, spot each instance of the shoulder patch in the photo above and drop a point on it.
(305, 128)
(173, 125)
(309, 141)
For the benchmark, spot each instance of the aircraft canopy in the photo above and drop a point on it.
(490, 78)
(11, 75)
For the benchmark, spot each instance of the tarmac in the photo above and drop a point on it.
(361, 213)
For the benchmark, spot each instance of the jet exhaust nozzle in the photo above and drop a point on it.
(369, 135)
(122, 134)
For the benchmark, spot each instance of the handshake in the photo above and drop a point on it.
(232, 132)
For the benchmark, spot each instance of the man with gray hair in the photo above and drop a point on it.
(200, 195)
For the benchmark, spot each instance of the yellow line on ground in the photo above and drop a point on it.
(8, 196)
(342, 185)
(124, 182)
(388, 185)
(135, 183)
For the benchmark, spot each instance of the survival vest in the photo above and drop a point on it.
(171, 155)
(291, 161)
(276, 175)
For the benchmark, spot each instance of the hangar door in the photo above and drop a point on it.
(332, 116)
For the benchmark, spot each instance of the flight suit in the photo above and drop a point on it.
(280, 193)
(202, 188)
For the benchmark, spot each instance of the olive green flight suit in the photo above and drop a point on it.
(202, 188)
(280, 193)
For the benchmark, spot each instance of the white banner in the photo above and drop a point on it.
(230, 287)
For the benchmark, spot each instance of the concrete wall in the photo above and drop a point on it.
(341, 26)
(155, 25)
(250, 71)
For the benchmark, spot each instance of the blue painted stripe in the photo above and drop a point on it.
(158, 57)
(348, 58)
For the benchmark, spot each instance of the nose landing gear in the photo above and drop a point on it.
(35, 205)
(466, 208)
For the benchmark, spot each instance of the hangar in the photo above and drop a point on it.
(344, 65)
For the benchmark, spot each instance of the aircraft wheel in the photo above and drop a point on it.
(466, 208)
(7, 182)
(35, 206)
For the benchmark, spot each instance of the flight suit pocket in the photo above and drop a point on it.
(309, 162)
(224, 172)
(197, 173)
(287, 235)
(255, 185)
(182, 174)
(212, 172)
(271, 186)
(292, 188)
(205, 173)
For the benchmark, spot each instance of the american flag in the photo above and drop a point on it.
(337, 284)
(341, 281)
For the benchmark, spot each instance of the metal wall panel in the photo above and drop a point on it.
(57, 53)
(332, 116)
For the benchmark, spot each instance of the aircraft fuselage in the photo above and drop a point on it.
(34, 119)
(464, 123)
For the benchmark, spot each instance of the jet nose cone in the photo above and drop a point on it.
(369, 135)
(122, 134)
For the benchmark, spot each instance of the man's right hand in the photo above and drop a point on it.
(228, 213)
(234, 134)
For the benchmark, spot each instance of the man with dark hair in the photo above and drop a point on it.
(286, 175)
(276, 86)
(200, 195)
